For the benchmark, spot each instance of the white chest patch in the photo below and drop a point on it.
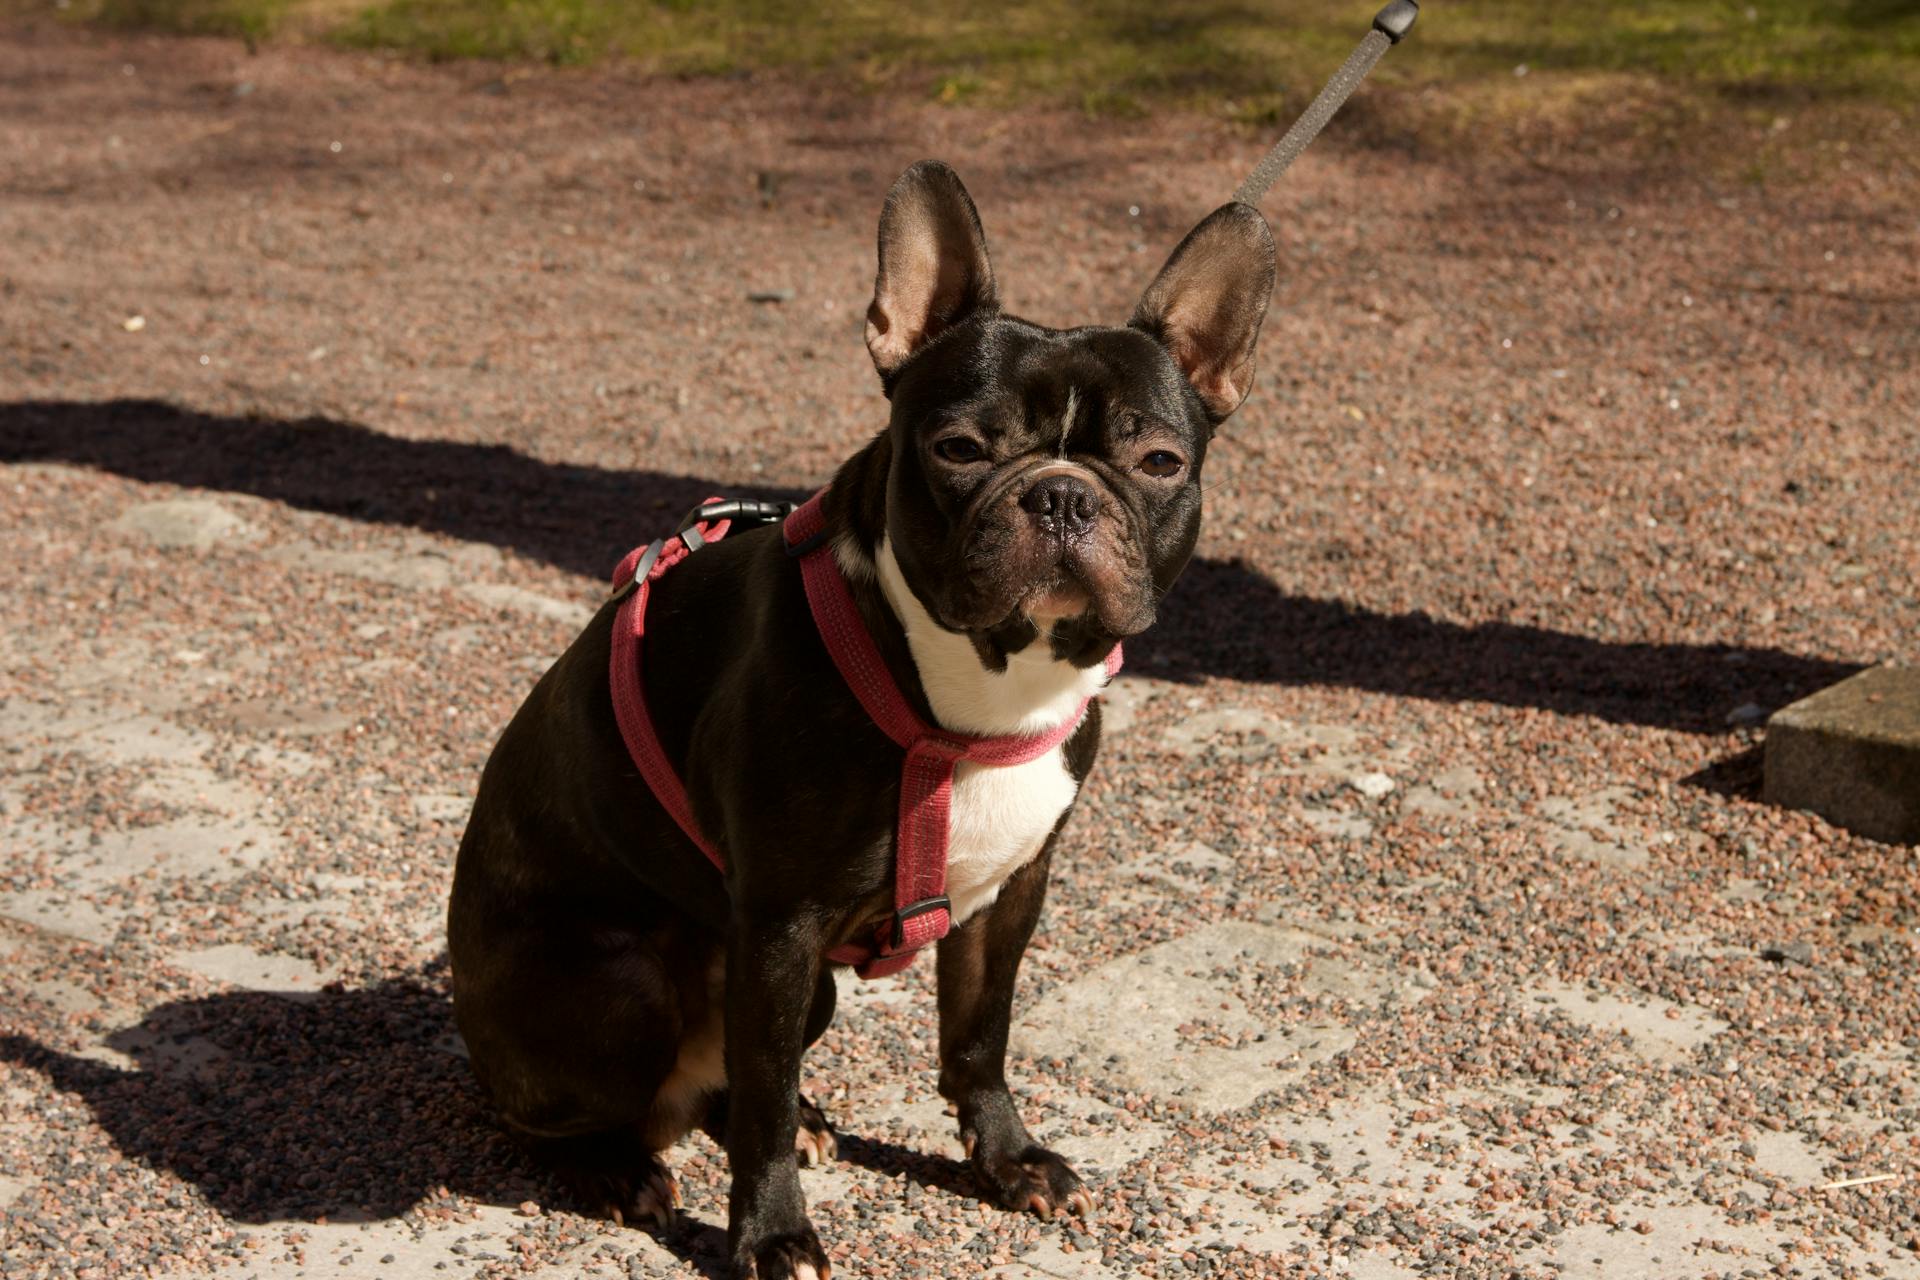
(1001, 815)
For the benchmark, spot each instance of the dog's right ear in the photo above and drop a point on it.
(934, 271)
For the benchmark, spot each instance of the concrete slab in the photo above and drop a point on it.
(289, 719)
(1676, 1242)
(1165, 1021)
(1851, 753)
(1126, 697)
(415, 571)
(62, 912)
(1658, 1030)
(1585, 828)
(242, 966)
(506, 596)
(400, 1250)
(189, 524)
(1259, 735)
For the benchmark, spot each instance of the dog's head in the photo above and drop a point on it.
(1047, 481)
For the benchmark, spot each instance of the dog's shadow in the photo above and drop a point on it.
(1227, 620)
(348, 1105)
(922, 1168)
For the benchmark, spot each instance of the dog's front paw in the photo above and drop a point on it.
(795, 1255)
(1033, 1179)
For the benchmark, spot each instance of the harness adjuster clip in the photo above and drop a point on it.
(807, 546)
(641, 569)
(913, 909)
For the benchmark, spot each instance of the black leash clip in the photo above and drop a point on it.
(739, 510)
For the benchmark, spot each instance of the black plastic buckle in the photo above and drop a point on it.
(1396, 19)
(913, 909)
(740, 510)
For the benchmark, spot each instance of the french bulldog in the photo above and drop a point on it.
(1033, 496)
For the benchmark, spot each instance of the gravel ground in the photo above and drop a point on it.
(1422, 918)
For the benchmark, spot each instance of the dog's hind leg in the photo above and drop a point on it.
(613, 1172)
(600, 1048)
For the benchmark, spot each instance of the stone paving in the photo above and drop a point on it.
(157, 724)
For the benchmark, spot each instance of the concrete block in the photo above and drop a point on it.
(1851, 753)
(192, 524)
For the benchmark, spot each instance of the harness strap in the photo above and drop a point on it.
(629, 689)
(922, 914)
(921, 910)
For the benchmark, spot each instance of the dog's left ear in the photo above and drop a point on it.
(1206, 305)
(934, 271)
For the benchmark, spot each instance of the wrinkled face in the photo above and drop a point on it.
(1044, 481)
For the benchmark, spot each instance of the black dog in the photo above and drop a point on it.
(1033, 497)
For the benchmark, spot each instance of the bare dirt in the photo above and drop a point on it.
(1423, 917)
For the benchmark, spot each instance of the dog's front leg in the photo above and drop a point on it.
(978, 962)
(773, 964)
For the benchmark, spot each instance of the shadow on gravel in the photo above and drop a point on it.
(1287, 639)
(1226, 619)
(348, 1105)
(922, 1168)
(1741, 776)
(580, 518)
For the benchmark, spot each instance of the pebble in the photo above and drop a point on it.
(1372, 785)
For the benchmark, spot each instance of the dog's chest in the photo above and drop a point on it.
(1001, 814)
(1000, 818)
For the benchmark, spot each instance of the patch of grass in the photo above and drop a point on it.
(1193, 52)
(249, 20)
(558, 31)
(1251, 59)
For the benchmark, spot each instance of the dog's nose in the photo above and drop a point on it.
(1063, 505)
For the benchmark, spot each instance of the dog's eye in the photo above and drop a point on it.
(1160, 463)
(959, 449)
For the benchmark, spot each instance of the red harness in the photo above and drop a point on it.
(921, 911)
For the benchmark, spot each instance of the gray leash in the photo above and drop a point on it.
(1389, 26)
